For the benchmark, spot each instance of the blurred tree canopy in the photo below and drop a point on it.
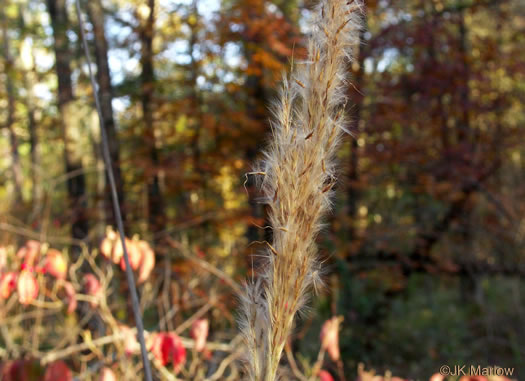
(425, 244)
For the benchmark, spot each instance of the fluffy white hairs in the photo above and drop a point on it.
(296, 179)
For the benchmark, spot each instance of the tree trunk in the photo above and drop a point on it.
(256, 108)
(29, 79)
(155, 202)
(15, 156)
(76, 182)
(357, 98)
(194, 109)
(33, 140)
(464, 131)
(195, 99)
(96, 15)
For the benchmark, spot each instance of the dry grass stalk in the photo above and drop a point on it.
(297, 175)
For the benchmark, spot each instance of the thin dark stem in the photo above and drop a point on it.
(116, 206)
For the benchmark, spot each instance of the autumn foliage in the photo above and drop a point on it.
(417, 263)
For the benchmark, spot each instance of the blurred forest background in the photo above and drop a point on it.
(424, 248)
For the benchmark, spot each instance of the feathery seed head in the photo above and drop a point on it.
(299, 174)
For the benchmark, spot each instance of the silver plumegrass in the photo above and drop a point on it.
(296, 179)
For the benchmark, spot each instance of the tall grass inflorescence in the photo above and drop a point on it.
(297, 175)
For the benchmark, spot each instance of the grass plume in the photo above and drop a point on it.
(297, 176)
